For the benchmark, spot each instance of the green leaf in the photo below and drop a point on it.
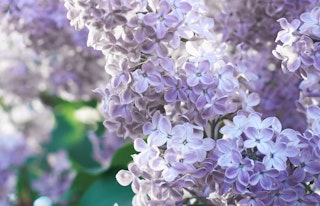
(82, 181)
(107, 191)
(68, 130)
(71, 134)
(25, 194)
(123, 156)
(79, 186)
(81, 156)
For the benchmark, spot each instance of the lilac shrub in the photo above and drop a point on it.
(220, 98)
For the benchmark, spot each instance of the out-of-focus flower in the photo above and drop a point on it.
(55, 182)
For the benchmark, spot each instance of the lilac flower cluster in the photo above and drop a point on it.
(12, 154)
(54, 183)
(205, 100)
(298, 49)
(267, 165)
(22, 136)
(252, 23)
(150, 71)
(160, 171)
(252, 41)
(46, 48)
(254, 163)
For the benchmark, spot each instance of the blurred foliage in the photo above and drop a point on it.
(93, 184)
(106, 191)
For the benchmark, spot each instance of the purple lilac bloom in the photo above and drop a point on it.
(285, 196)
(52, 47)
(181, 79)
(104, 147)
(198, 74)
(267, 179)
(8, 182)
(146, 77)
(13, 153)
(224, 150)
(303, 51)
(259, 139)
(162, 131)
(176, 90)
(310, 23)
(306, 165)
(277, 157)
(170, 165)
(55, 182)
(161, 19)
(239, 171)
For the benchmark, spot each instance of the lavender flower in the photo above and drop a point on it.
(267, 179)
(104, 147)
(260, 139)
(239, 171)
(162, 19)
(200, 74)
(311, 22)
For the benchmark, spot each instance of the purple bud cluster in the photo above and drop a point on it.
(195, 84)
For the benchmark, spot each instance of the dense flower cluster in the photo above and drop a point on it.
(252, 39)
(196, 86)
(298, 49)
(147, 63)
